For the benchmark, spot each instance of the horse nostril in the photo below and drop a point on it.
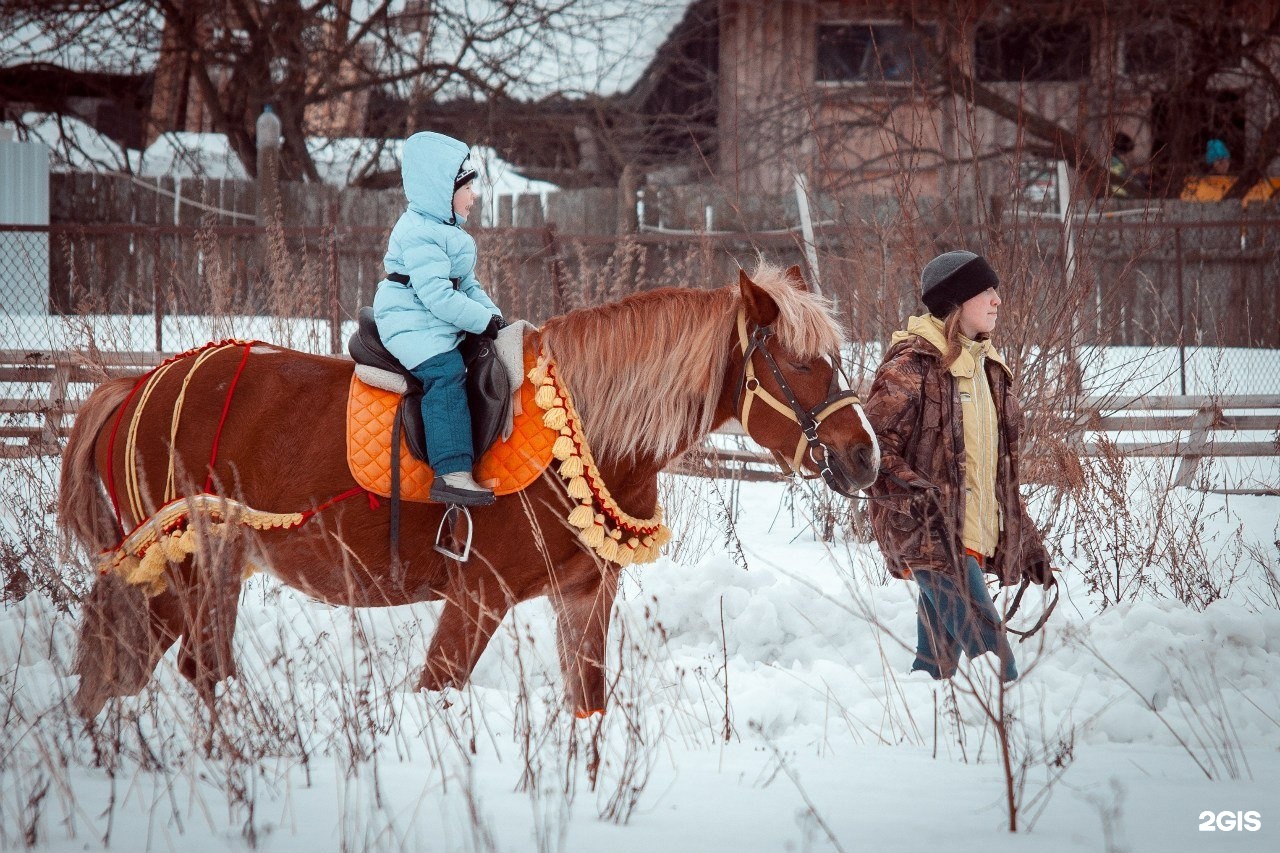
(863, 455)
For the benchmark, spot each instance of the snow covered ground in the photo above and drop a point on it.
(1127, 724)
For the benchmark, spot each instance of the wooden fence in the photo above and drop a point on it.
(1167, 274)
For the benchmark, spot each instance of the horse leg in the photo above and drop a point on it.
(118, 646)
(582, 629)
(208, 590)
(472, 612)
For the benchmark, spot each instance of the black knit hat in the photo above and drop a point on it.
(465, 175)
(953, 278)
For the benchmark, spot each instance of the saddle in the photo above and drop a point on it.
(489, 389)
(384, 414)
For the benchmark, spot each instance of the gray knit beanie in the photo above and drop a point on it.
(953, 278)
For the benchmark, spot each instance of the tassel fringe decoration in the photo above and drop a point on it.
(582, 517)
(606, 529)
(168, 537)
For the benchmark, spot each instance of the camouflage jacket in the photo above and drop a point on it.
(918, 511)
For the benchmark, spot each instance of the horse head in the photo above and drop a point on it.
(788, 386)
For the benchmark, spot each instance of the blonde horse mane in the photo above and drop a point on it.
(645, 372)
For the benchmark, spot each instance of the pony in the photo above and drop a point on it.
(651, 375)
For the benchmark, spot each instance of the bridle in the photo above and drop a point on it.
(752, 342)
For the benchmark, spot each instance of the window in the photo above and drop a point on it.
(1032, 52)
(1168, 49)
(871, 53)
(1153, 50)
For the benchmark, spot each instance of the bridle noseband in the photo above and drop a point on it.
(807, 419)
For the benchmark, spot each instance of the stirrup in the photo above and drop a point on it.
(452, 514)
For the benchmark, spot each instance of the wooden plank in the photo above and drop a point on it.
(44, 373)
(1189, 402)
(56, 400)
(30, 405)
(1176, 423)
(108, 358)
(1181, 448)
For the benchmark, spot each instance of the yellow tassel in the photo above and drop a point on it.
(608, 550)
(150, 567)
(645, 555)
(538, 375)
(593, 537)
(662, 536)
(578, 488)
(563, 448)
(616, 534)
(545, 397)
(555, 418)
(125, 566)
(571, 467)
(633, 543)
(626, 556)
(582, 517)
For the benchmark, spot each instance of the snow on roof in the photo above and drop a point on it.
(192, 155)
(77, 147)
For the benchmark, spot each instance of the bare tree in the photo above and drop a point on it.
(320, 63)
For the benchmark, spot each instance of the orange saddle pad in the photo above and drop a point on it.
(514, 463)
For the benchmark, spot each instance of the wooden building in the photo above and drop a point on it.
(933, 96)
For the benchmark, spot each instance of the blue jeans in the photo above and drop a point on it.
(445, 413)
(947, 620)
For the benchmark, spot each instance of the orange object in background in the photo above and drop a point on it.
(1215, 188)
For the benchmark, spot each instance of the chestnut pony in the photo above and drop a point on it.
(651, 375)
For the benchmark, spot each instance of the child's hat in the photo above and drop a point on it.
(466, 175)
(1216, 150)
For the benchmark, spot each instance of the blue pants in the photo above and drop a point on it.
(445, 414)
(947, 620)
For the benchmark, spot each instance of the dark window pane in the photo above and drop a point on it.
(1033, 52)
(1151, 51)
(870, 53)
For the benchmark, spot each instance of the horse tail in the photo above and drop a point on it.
(84, 512)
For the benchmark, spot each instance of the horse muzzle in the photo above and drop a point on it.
(851, 470)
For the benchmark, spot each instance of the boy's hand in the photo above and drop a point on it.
(496, 324)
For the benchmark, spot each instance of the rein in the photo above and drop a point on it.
(753, 342)
(970, 608)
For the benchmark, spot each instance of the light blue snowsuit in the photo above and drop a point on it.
(423, 322)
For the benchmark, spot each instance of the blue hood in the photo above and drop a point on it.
(428, 166)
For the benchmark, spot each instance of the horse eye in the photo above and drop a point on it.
(799, 366)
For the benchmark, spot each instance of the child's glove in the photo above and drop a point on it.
(496, 324)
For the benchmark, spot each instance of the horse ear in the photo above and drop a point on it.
(796, 277)
(761, 308)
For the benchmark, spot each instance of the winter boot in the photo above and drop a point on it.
(460, 488)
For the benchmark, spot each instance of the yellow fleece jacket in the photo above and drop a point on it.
(981, 430)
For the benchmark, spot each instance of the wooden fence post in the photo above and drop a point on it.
(627, 185)
(552, 248)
